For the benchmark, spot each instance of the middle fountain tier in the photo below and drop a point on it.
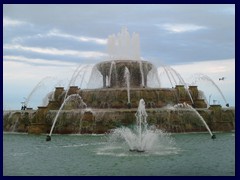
(113, 73)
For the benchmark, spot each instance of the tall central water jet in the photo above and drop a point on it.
(141, 118)
(142, 137)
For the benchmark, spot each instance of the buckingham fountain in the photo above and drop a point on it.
(122, 91)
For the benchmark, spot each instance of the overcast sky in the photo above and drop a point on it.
(50, 40)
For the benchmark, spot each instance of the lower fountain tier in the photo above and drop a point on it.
(104, 120)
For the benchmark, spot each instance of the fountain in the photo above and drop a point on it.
(119, 90)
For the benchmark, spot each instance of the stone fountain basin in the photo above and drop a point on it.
(117, 74)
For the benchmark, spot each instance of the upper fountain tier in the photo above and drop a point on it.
(124, 51)
(113, 72)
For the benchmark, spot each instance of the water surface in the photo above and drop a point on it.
(194, 154)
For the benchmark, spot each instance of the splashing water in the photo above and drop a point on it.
(140, 138)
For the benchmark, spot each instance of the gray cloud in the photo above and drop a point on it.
(205, 32)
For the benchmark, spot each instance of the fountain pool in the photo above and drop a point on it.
(194, 154)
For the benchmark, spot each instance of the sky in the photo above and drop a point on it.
(45, 43)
